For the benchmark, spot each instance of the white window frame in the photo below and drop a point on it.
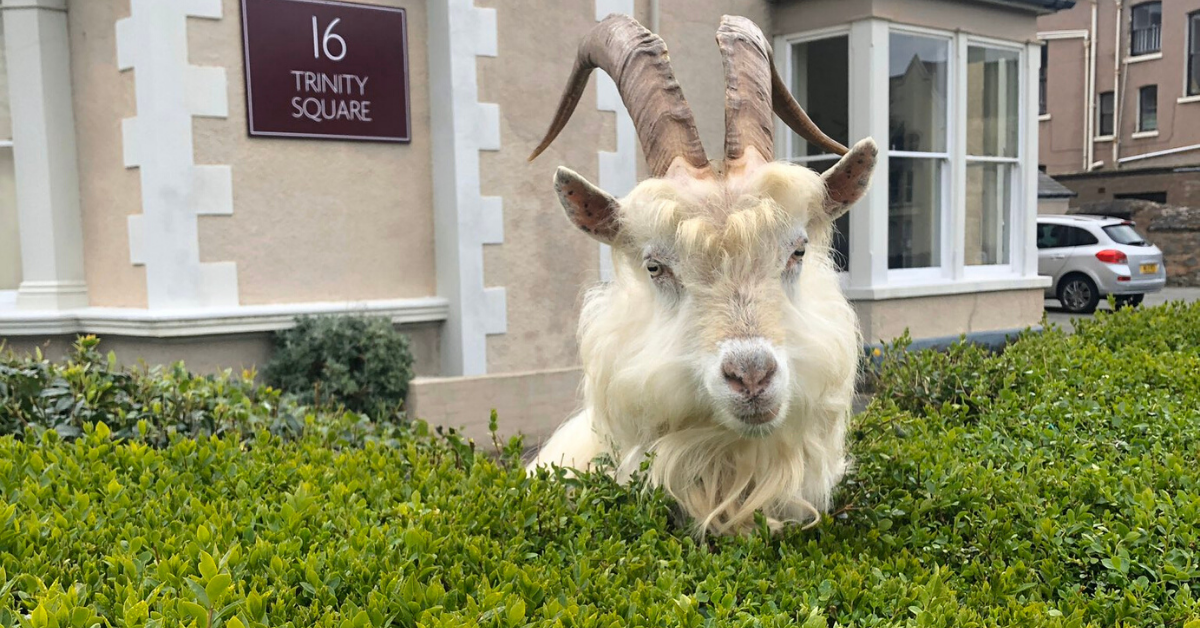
(1016, 184)
(784, 138)
(945, 268)
(869, 277)
(1185, 97)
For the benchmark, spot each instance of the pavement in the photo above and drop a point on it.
(1056, 315)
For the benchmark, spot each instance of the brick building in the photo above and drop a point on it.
(1120, 100)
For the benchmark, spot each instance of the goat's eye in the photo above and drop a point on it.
(654, 268)
(798, 255)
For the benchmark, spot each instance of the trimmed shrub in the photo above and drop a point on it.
(359, 362)
(1070, 498)
(153, 405)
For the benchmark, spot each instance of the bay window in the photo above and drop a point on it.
(953, 199)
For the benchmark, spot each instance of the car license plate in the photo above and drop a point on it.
(1149, 269)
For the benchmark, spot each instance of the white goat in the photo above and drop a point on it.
(723, 347)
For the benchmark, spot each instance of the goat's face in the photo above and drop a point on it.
(709, 271)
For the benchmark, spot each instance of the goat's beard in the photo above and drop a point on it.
(643, 397)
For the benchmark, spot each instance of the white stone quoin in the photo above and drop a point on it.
(44, 158)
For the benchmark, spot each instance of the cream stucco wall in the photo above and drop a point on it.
(950, 315)
(318, 220)
(10, 245)
(544, 262)
(109, 193)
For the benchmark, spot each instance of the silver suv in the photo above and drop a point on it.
(1089, 257)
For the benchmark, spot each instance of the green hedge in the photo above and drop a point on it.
(1056, 484)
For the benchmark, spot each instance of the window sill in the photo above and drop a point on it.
(205, 321)
(1150, 56)
(1043, 117)
(945, 287)
(1103, 138)
(1141, 135)
(1188, 99)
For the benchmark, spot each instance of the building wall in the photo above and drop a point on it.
(1062, 136)
(317, 220)
(10, 245)
(544, 262)
(109, 192)
(1182, 189)
(1000, 22)
(952, 315)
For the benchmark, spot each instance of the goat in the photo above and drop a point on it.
(723, 347)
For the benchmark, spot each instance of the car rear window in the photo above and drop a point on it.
(1125, 234)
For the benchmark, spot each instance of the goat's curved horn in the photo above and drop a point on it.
(753, 89)
(637, 61)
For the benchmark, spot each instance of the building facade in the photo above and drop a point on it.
(135, 205)
(1120, 100)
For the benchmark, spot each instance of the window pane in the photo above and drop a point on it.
(1145, 29)
(821, 84)
(917, 93)
(1193, 61)
(914, 212)
(993, 101)
(989, 203)
(1148, 108)
(1106, 114)
(1042, 72)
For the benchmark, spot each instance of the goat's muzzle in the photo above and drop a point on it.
(752, 387)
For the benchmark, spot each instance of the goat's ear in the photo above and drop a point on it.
(848, 179)
(593, 210)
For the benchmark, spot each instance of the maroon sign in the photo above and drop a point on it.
(323, 69)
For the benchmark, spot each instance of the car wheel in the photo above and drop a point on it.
(1078, 294)
(1130, 300)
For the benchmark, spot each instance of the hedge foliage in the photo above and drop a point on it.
(359, 362)
(1056, 484)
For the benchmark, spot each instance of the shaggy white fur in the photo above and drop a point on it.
(707, 270)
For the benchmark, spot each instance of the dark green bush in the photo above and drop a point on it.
(360, 362)
(154, 404)
(1071, 498)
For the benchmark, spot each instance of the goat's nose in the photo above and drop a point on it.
(749, 375)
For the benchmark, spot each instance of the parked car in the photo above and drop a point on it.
(1090, 257)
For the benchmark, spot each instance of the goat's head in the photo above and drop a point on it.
(709, 255)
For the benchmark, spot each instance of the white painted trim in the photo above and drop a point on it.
(1171, 151)
(1188, 99)
(46, 5)
(464, 219)
(1154, 56)
(45, 167)
(869, 87)
(943, 286)
(1141, 135)
(6, 144)
(1103, 138)
(617, 169)
(8, 299)
(159, 143)
(1023, 232)
(1043, 117)
(208, 321)
(1081, 33)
